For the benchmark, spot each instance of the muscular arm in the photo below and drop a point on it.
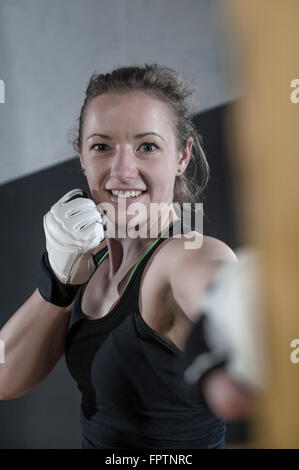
(229, 390)
(193, 270)
(33, 339)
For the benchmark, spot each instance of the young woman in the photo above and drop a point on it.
(120, 307)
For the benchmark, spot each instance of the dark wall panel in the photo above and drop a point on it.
(219, 208)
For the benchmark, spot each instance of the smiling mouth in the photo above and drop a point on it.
(124, 194)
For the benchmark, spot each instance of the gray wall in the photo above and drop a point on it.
(48, 50)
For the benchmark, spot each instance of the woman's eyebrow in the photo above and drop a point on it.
(99, 135)
(137, 136)
(147, 133)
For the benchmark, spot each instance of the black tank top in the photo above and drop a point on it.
(133, 392)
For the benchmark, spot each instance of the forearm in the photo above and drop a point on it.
(225, 355)
(227, 398)
(33, 341)
(34, 337)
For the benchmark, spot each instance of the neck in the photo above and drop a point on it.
(124, 252)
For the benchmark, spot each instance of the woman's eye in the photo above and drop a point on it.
(149, 146)
(99, 147)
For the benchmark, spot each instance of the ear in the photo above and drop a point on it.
(77, 148)
(185, 155)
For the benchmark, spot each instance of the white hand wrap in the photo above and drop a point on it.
(233, 327)
(73, 229)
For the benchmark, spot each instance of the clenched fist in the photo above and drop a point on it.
(73, 229)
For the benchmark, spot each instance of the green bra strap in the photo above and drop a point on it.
(103, 257)
(139, 261)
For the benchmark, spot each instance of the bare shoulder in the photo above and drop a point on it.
(197, 247)
(215, 249)
(189, 271)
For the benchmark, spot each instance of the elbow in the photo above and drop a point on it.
(3, 396)
(6, 394)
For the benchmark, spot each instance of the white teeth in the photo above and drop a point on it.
(115, 192)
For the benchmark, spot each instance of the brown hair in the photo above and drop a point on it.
(167, 85)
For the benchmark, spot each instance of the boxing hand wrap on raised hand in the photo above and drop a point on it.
(229, 331)
(73, 229)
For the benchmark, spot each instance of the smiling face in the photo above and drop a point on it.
(128, 146)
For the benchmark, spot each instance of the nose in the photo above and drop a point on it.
(124, 165)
